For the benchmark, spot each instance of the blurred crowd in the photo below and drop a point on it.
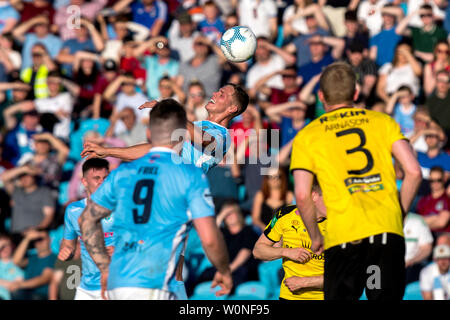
(75, 71)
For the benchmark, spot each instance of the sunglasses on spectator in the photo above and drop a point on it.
(289, 75)
(275, 176)
(436, 180)
(432, 136)
(312, 43)
(199, 44)
(193, 95)
(426, 15)
(36, 54)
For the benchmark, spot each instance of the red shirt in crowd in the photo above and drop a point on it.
(428, 206)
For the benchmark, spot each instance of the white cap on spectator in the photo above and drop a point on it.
(441, 251)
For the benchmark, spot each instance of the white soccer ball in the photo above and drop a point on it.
(238, 44)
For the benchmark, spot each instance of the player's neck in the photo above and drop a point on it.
(339, 106)
(223, 121)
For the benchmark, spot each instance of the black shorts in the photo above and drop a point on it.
(376, 263)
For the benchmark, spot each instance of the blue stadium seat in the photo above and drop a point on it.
(412, 291)
(252, 288)
(244, 297)
(56, 237)
(268, 273)
(63, 194)
(203, 291)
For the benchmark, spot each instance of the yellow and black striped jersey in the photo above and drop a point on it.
(287, 225)
(350, 152)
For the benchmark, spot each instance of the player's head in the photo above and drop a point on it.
(95, 171)
(166, 117)
(229, 101)
(337, 85)
(317, 197)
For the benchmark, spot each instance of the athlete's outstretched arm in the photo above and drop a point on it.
(93, 150)
(216, 251)
(404, 154)
(302, 185)
(93, 238)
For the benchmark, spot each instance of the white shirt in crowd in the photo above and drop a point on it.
(255, 14)
(431, 280)
(133, 102)
(370, 13)
(298, 24)
(417, 233)
(258, 70)
(62, 102)
(399, 76)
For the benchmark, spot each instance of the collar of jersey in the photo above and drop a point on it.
(162, 149)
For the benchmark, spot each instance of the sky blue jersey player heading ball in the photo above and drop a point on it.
(150, 230)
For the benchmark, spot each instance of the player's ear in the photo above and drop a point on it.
(233, 109)
(321, 97)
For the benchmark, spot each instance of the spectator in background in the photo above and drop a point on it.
(8, 17)
(273, 195)
(181, 36)
(9, 272)
(49, 164)
(295, 17)
(354, 34)
(369, 15)
(68, 22)
(320, 57)
(364, 68)
(212, 26)
(402, 108)
(55, 110)
(51, 44)
(240, 239)
(38, 267)
(149, 13)
(108, 74)
(288, 92)
(290, 116)
(129, 62)
(158, 64)
(33, 206)
(11, 93)
(435, 207)
(10, 60)
(435, 156)
(31, 9)
(422, 122)
(260, 17)
(36, 75)
(205, 66)
(438, 102)
(435, 278)
(196, 102)
(335, 10)
(419, 244)
(122, 93)
(168, 89)
(135, 132)
(66, 277)
(300, 44)
(268, 59)
(87, 38)
(441, 62)
(424, 38)
(384, 43)
(404, 70)
(18, 141)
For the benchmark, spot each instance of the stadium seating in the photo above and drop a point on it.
(269, 275)
(412, 291)
(203, 291)
(254, 289)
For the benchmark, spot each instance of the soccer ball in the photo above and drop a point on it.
(238, 44)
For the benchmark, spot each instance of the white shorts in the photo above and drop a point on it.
(140, 294)
(83, 294)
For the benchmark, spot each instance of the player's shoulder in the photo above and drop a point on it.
(75, 208)
(285, 210)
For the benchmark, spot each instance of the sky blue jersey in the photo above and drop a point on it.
(154, 200)
(208, 158)
(90, 279)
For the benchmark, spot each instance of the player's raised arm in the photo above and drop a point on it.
(93, 238)
(93, 150)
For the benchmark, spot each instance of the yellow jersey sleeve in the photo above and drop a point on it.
(273, 230)
(300, 159)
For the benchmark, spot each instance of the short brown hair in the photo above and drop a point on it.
(338, 84)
